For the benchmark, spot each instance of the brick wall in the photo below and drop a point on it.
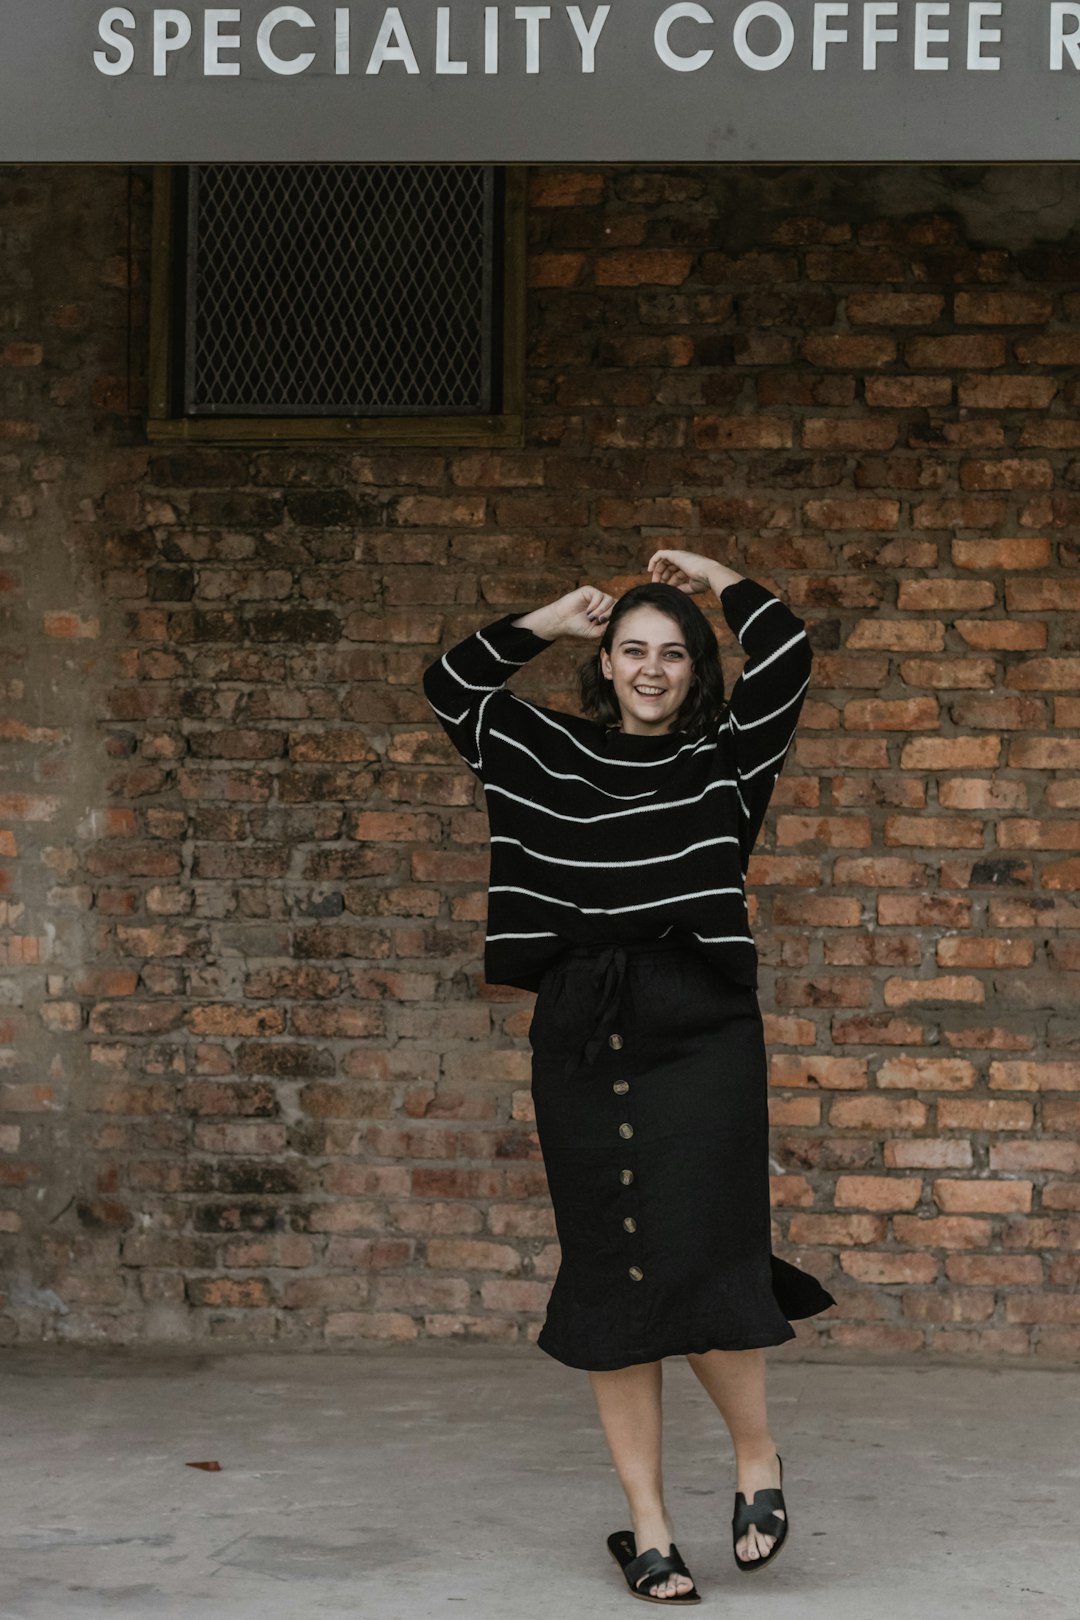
(254, 1086)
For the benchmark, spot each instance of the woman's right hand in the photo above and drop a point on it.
(582, 613)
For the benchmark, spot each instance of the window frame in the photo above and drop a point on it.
(506, 427)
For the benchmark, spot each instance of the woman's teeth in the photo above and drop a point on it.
(649, 691)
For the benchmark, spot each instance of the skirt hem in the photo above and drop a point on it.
(686, 1346)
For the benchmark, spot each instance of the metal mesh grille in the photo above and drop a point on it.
(338, 289)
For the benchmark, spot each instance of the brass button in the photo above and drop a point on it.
(620, 1086)
(615, 1041)
(626, 1177)
(637, 1273)
(626, 1130)
(630, 1223)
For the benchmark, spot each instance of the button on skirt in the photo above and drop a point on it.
(650, 1088)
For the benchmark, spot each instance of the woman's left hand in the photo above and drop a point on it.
(686, 570)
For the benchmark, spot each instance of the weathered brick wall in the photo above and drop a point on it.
(254, 1086)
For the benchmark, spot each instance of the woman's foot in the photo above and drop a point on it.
(757, 1472)
(659, 1532)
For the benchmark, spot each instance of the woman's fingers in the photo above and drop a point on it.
(684, 569)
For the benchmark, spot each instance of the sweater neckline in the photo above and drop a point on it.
(637, 745)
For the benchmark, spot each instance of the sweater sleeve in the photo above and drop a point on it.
(466, 686)
(766, 699)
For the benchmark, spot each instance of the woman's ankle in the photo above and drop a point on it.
(650, 1513)
(752, 1454)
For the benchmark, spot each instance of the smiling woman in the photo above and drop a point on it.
(171, 32)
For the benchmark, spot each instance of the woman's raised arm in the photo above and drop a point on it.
(768, 696)
(468, 682)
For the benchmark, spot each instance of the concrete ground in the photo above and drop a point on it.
(395, 1484)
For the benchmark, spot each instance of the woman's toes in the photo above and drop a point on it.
(755, 1544)
(671, 1587)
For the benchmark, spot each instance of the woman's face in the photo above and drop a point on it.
(650, 669)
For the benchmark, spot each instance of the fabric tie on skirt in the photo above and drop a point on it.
(608, 973)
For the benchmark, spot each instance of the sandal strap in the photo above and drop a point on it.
(761, 1517)
(655, 1564)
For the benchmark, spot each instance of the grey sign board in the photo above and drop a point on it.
(630, 81)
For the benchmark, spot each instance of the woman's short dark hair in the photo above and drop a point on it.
(704, 707)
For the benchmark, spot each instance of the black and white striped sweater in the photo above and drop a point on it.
(600, 836)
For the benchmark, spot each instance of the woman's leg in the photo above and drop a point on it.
(629, 1402)
(735, 1379)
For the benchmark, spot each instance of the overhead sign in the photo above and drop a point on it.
(631, 81)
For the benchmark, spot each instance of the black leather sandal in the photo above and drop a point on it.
(761, 1516)
(649, 1568)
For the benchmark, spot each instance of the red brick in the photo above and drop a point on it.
(1051, 349)
(555, 188)
(942, 1231)
(953, 351)
(877, 1113)
(742, 433)
(556, 269)
(967, 1306)
(864, 514)
(991, 1197)
(1005, 473)
(908, 393)
(880, 1266)
(848, 433)
(895, 309)
(837, 1229)
(654, 267)
(984, 1114)
(1006, 393)
(848, 352)
(878, 1192)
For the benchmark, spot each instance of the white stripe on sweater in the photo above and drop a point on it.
(756, 669)
(764, 719)
(612, 815)
(611, 911)
(646, 860)
(545, 933)
(566, 776)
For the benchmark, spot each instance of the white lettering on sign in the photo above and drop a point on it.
(267, 54)
(392, 45)
(776, 58)
(444, 63)
(824, 36)
(532, 17)
(662, 45)
(164, 41)
(873, 34)
(935, 36)
(1061, 12)
(587, 37)
(925, 36)
(116, 17)
(214, 42)
(978, 36)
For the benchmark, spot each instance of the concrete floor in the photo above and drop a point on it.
(395, 1484)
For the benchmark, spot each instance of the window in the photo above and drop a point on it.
(371, 302)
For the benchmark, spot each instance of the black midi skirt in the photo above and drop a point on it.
(650, 1088)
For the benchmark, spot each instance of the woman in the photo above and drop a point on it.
(619, 849)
